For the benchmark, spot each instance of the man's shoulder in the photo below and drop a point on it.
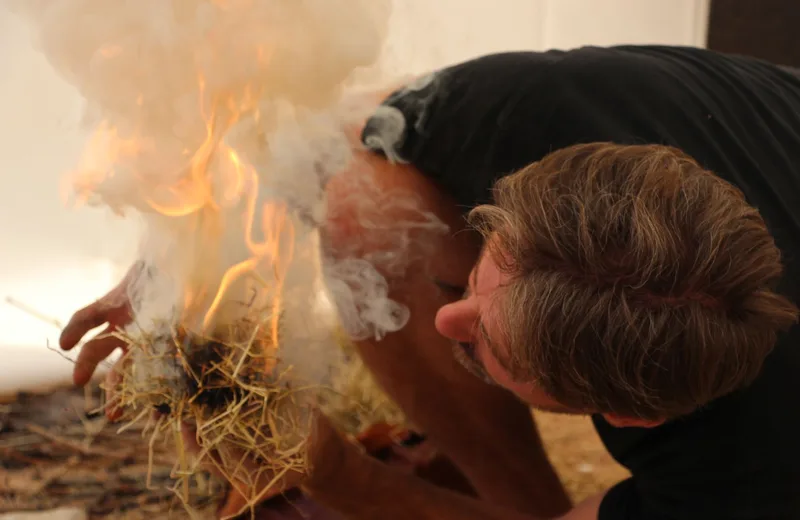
(590, 64)
(672, 65)
(619, 66)
(577, 59)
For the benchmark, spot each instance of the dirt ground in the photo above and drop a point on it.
(578, 455)
(54, 454)
(57, 451)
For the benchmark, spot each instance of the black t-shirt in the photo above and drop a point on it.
(467, 125)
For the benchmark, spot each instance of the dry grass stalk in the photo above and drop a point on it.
(242, 402)
(238, 400)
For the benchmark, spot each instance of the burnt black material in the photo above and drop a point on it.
(207, 386)
(164, 409)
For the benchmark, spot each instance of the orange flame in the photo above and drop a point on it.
(216, 175)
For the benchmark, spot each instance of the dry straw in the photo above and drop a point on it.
(243, 404)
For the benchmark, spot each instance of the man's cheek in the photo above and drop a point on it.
(502, 377)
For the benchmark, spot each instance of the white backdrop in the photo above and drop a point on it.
(56, 259)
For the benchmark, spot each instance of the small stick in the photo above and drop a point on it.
(185, 501)
(133, 422)
(85, 450)
(20, 441)
(182, 449)
(151, 453)
(244, 356)
(33, 312)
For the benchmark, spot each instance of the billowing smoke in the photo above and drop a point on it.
(218, 122)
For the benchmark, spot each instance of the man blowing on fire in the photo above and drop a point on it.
(640, 267)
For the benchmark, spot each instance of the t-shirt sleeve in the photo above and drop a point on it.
(467, 125)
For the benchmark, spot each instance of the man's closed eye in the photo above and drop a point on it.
(466, 355)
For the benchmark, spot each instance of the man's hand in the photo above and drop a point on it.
(328, 452)
(345, 479)
(362, 488)
(112, 310)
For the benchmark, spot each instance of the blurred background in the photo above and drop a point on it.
(55, 259)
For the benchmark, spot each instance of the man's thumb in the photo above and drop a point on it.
(234, 505)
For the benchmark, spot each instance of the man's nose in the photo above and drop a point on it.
(455, 321)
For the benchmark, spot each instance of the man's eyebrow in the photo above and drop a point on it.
(445, 286)
(473, 275)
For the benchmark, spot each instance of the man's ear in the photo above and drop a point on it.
(631, 422)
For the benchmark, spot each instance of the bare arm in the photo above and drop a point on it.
(362, 489)
(403, 496)
(488, 433)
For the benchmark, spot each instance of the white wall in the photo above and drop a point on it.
(51, 258)
(426, 34)
(56, 259)
(573, 23)
(429, 33)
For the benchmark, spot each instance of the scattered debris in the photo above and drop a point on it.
(58, 452)
(57, 514)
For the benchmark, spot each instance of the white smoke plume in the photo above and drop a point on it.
(218, 122)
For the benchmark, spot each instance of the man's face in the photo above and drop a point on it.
(472, 323)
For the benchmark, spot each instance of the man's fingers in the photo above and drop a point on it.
(244, 494)
(82, 322)
(93, 353)
(235, 504)
(250, 484)
(212, 462)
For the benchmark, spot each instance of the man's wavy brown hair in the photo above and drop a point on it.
(640, 284)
